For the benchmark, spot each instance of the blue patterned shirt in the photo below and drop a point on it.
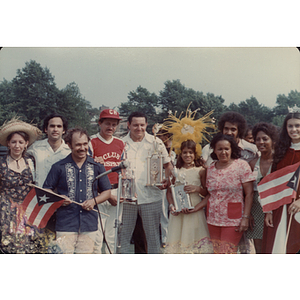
(77, 184)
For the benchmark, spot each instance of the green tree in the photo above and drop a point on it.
(33, 94)
(253, 111)
(141, 100)
(6, 94)
(282, 104)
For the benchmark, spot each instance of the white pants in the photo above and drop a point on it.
(76, 242)
(108, 224)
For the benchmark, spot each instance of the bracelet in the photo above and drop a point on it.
(171, 206)
(246, 216)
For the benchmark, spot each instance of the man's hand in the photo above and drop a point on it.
(99, 159)
(67, 201)
(113, 200)
(88, 204)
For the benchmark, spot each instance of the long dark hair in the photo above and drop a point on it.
(190, 144)
(285, 141)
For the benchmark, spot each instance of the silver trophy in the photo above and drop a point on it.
(180, 197)
(154, 166)
(128, 191)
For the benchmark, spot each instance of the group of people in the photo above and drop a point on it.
(221, 180)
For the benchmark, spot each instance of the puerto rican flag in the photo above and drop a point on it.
(279, 187)
(39, 205)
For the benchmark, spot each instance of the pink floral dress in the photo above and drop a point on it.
(226, 202)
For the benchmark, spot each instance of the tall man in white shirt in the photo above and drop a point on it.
(149, 199)
(52, 149)
(49, 151)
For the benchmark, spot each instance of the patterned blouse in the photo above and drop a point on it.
(13, 185)
(226, 202)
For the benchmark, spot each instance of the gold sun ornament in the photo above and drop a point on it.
(187, 128)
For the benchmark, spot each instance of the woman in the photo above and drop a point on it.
(229, 182)
(16, 171)
(265, 136)
(187, 230)
(287, 152)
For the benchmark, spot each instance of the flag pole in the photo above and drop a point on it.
(288, 231)
(51, 192)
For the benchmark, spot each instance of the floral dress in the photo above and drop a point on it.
(16, 236)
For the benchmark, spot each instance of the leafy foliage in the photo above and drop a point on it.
(33, 94)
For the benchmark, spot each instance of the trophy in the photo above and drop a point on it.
(128, 186)
(180, 197)
(128, 192)
(154, 166)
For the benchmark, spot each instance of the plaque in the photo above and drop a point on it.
(180, 197)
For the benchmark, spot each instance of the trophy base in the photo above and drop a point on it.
(129, 199)
(154, 184)
(192, 207)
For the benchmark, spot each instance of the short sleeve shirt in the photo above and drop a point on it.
(137, 153)
(77, 184)
(226, 201)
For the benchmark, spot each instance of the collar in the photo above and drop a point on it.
(104, 140)
(295, 146)
(148, 138)
(69, 159)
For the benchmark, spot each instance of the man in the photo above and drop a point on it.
(48, 151)
(149, 199)
(73, 177)
(108, 150)
(233, 124)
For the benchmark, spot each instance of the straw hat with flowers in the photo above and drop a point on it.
(15, 125)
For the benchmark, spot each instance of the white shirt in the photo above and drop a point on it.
(45, 157)
(137, 153)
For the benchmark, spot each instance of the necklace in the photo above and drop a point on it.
(16, 160)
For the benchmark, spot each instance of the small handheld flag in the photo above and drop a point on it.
(39, 205)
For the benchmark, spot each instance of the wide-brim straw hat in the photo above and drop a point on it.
(15, 125)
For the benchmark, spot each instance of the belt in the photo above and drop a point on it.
(114, 186)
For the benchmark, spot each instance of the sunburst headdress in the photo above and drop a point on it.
(187, 128)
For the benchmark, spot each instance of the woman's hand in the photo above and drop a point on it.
(173, 210)
(244, 225)
(294, 207)
(269, 220)
(189, 189)
(186, 211)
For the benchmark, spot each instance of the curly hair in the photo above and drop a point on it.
(284, 140)
(235, 150)
(192, 146)
(234, 118)
(269, 129)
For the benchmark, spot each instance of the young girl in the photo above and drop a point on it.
(287, 152)
(187, 230)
